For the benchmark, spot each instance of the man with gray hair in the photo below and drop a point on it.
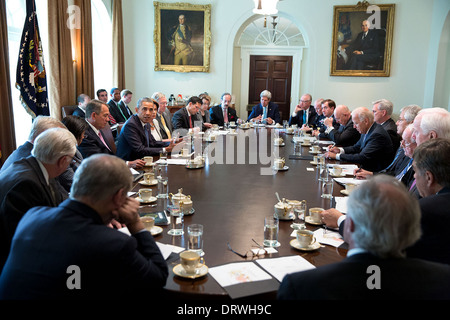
(383, 220)
(31, 182)
(163, 116)
(40, 124)
(431, 123)
(382, 112)
(266, 111)
(53, 245)
(373, 151)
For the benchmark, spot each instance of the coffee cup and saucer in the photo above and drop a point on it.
(314, 216)
(305, 241)
(192, 265)
(337, 171)
(149, 224)
(149, 179)
(145, 196)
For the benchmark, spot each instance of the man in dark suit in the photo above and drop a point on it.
(94, 141)
(346, 135)
(82, 101)
(266, 111)
(401, 166)
(383, 219)
(163, 116)
(40, 124)
(432, 172)
(136, 140)
(373, 151)
(304, 113)
(113, 104)
(328, 107)
(31, 182)
(223, 113)
(364, 49)
(382, 111)
(125, 99)
(69, 252)
(188, 117)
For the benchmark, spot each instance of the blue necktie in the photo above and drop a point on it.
(147, 133)
(265, 113)
(400, 176)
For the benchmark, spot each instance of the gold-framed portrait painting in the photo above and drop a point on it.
(182, 37)
(362, 40)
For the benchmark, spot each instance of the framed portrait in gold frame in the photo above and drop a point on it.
(182, 37)
(362, 40)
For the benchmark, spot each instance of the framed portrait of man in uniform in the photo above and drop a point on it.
(362, 40)
(182, 37)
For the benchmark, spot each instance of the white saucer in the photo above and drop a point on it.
(152, 199)
(149, 165)
(314, 163)
(154, 182)
(283, 169)
(279, 145)
(195, 167)
(309, 220)
(314, 152)
(345, 192)
(156, 230)
(179, 271)
(306, 145)
(294, 243)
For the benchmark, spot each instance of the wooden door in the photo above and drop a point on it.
(273, 73)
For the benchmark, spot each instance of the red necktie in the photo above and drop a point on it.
(190, 121)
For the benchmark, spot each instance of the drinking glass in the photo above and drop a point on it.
(163, 158)
(271, 232)
(195, 238)
(163, 187)
(327, 189)
(176, 221)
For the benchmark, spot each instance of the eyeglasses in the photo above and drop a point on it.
(250, 253)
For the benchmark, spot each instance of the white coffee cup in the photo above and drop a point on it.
(279, 163)
(305, 238)
(314, 213)
(148, 160)
(315, 148)
(350, 187)
(145, 194)
(283, 210)
(149, 222)
(149, 177)
(191, 261)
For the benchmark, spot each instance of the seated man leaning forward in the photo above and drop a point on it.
(383, 219)
(68, 252)
(373, 151)
(136, 140)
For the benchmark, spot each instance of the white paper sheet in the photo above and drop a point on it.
(330, 237)
(235, 273)
(348, 180)
(348, 169)
(174, 161)
(341, 204)
(279, 267)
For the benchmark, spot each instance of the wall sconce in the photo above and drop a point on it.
(265, 7)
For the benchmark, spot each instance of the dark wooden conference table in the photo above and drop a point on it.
(231, 200)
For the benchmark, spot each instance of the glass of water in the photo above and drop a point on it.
(195, 238)
(163, 187)
(176, 221)
(271, 232)
(163, 158)
(327, 189)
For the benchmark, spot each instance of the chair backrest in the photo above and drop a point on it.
(68, 110)
(108, 136)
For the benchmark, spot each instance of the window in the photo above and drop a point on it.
(101, 46)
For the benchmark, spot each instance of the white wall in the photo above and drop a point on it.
(412, 53)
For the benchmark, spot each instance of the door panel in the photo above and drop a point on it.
(271, 73)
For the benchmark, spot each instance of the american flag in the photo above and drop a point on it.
(30, 77)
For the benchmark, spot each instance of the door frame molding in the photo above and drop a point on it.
(247, 51)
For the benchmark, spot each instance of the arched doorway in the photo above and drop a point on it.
(280, 40)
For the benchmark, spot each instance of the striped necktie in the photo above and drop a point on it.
(165, 127)
(103, 140)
